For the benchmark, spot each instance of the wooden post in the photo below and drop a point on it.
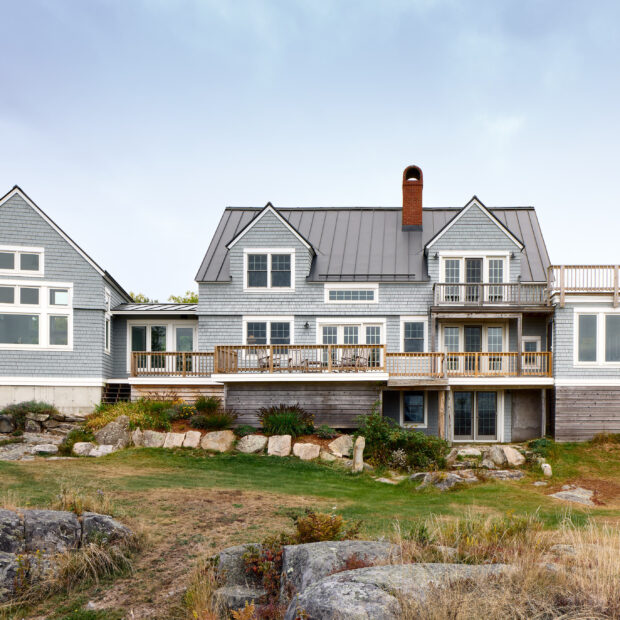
(519, 343)
(432, 337)
(133, 364)
(441, 430)
(271, 358)
(543, 412)
(562, 291)
(183, 364)
(216, 355)
(616, 268)
(329, 358)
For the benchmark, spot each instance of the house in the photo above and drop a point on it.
(444, 318)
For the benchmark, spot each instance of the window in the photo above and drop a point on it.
(413, 337)
(158, 336)
(107, 335)
(19, 329)
(531, 347)
(347, 293)
(280, 333)
(59, 297)
(269, 269)
(612, 338)
(257, 333)
(473, 274)
(351, 334)
(414, 413)
(21, 260)
(30, 318)
(267, 330)
(476, 416)
(587, 337)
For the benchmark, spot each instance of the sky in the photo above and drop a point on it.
(133, 123)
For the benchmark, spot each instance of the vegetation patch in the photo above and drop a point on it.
(286, 420)
(218, 420)
(18, 411)
(74, 436)
(144, 414)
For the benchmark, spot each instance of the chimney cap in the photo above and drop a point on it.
(412, 174)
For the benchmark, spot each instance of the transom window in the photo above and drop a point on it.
(269, 270)
(598, 338)
(21, 260)
(338, 293)
(30, 318)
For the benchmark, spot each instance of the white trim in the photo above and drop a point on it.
(421, 318)
(305, 377)
(348, 321)
(268, 209)
(402, 410)
(500, 381)
(169, 381)
(107, 321)
(536, 339)
(570, 382)
(17, 250)
(600, 312)
(268, 320)
(350, 286)
(484, 255)
(474, 253)
(18, 191)
(269, 252)
(537, 359)
(148, 313)
(484, 335)
(475, 202)
(53, 381)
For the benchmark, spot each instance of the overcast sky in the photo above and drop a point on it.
(134, 123)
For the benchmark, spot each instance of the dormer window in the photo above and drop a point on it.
(269, 269)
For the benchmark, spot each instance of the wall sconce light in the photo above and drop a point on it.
(436, 255)
(307, 325)
(512, 255)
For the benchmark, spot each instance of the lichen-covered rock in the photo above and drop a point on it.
(8, 575)
(469, 452)
(325, 455)
(82, 448)
(546, 470)
(505, 474)
(218, 441)
(252, 444)
(103, 528)
(51, 531)
(103, 450)
(11, 532)
(31, 426)
(279, 445)
(513, 457)
(341, 446)
(577, 495)
(153, 439)
(358, 455)
(306, 451)
(192, 439)
(37, 417)
(444, 481)
(137, 437)
(174, 440)
(233, 598)
(496, 455)
(373, 593)
(231, 567)
(303, 565)
(44, 448)
(115, 433)
(7, 425)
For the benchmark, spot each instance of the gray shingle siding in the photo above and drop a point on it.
(21, 225)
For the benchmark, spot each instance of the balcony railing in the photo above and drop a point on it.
(484, 294)
(584, 279)
(287, 359)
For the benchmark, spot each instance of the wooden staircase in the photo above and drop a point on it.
(115, 392)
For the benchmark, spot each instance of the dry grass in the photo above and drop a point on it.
(10, 500)
(76, 499)
(200, 602)
(584, 583)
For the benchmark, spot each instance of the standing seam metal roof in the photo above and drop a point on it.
(368, 243)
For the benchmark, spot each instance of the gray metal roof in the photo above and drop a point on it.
(155, 307)
(368, 243)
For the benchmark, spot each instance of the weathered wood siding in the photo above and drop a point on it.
(582, 412)
(336, 404)
(188, 393)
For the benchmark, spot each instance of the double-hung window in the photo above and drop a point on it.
(266, 331)
(413, 336)
(19, 260)
(414, 411)
(269, 270)
(35, 315)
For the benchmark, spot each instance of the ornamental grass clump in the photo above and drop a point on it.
(286, 420)
(216, 421)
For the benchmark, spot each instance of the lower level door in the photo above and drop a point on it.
(475, 416)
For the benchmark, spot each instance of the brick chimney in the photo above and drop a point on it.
(412, 198)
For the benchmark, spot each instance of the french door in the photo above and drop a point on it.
(475, 416)
(473, 277)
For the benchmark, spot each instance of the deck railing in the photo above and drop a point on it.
(485, 294)
(279, 359)
(584, 279)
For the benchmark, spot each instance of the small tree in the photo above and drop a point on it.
(140, 298)
(190, 297)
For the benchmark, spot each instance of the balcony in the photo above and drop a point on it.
(584, 279)
(287, 360)
(510, 294)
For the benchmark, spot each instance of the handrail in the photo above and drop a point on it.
(584, 279)
(485, 293)
(171, 364)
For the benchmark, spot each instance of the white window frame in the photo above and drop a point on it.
(270, 252)
(500, 416)
(485, 255)
(43, 310)
(600, 313)
(268, 320)
(107, 322)
(341, 322)
(171, 334)
(413, 319)
(538, 361)
(402, 410)
(485, 335)
(21, 249)
(351, 286)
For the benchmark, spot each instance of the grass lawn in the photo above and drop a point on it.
(193, 504)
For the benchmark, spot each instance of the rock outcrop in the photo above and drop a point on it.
(115, 433)
(252, 444)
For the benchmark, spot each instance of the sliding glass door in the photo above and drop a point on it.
(475, 416)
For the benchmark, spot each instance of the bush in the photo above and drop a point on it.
(543, 447)
(605, 438)
(143, 414)
(19, 410)
(320, 527)
(326, 432)
(388, 444)
(207, 404)
(245, 429)
(286, 420)
(180, 411)
(75, 436)
(217, 421)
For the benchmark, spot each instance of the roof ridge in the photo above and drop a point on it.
(497, 208)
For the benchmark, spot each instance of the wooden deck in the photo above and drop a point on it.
(274, 360)
(584, 280)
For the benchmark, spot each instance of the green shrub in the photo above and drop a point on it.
(326, 432)
(19, 410)
(217, 421)
(245, 429)
(286, 420)
(384, 439)
(207, 404)
(143, 414)
(543, 447)
(180, 411)
(75, 436)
